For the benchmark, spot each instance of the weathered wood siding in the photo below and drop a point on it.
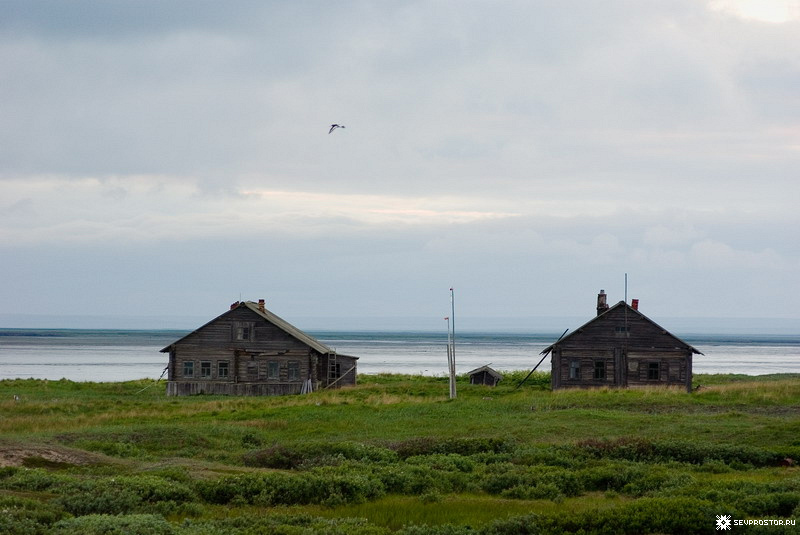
(628, 347)
(483, 378)
(240, 353)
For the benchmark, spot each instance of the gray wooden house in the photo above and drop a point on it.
(620, 347)
(250, 351)
(484, 376)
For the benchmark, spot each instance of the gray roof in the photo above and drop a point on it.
(487, 369)
(277, 321)
(549, 348)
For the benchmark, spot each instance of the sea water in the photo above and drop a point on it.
(121, 355)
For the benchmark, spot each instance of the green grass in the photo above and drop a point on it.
(395, 451)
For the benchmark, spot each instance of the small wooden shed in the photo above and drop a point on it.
(620, 347)
(484, 376)
(249, 351)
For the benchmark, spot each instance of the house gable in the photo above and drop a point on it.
(622, 325)
(620, 347)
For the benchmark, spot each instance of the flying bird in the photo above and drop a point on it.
(334, 127)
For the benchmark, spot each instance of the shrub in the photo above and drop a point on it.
(122, 495)
(35, 479)
(316, 454)
(115, 525)
(460, 446)
(286, 489)
(22, 516)
(642, 450)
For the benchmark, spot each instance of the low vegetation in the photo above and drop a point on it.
(395, 455)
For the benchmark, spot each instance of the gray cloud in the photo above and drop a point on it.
(529, 153)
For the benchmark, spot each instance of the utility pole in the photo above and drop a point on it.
(451, 346)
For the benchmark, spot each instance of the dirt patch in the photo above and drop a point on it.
(18, 455)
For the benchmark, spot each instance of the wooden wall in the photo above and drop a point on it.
(626, 342)
(263, 349)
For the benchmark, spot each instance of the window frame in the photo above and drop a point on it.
(223, 365)
(575, 366)
(188, 365)
(599, 370)
(274, 365)
(243, 331)
(293, 370)
(654, 371)
(206, 370)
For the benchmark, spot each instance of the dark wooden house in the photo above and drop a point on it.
(484, 376)
(250, 351)
(620, 347)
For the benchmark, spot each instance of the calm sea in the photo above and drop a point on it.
(120, 355)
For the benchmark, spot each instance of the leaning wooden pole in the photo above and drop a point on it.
(542, 360)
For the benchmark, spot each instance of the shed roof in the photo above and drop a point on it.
(275, 320)
(630, 309)
(487, 369)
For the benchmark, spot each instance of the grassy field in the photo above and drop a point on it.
(394, 455)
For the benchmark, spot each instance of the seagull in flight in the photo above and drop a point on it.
(334, 127)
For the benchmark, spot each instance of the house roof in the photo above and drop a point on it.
(277, 321)
(487, 369)
(630, 310)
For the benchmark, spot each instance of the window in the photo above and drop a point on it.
(294, 370)
(243, 331)
(188, 368)
(205, 369)
(222, 369)
(575, 370)
(599, 369)
(274, 370)
(653, 371)
(252, 370)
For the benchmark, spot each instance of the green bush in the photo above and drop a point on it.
(34, 479)
(275, 524)
(460, 446)
(286, 489)
(115, 525)
(122, 495)
(21, 516)
(643, 450)
(308, 455)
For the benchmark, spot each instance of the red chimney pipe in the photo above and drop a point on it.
(635, 304)
(234, 305)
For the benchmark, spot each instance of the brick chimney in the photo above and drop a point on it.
(234, 305)
(635, 304)
(602, 305)
(261, 304)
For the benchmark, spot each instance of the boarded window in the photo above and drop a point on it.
(599, 369)
(252, 370)
(205, 369)
(188, 368)
(575, 370)
(653, 371)
(274, 370)
(294, 370)
(222, 369)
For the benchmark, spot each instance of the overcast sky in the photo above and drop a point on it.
(165, 158)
